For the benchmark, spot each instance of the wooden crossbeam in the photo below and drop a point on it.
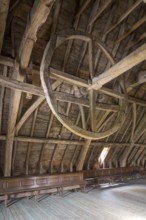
(32, 108)
(67, 142)
(121, 67)
(56, 74)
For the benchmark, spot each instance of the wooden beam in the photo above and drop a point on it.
(101, 10)
(83, 7)
(121, 67)
(32, 108)
(28, 112)
(21, 86)
(13, 111)
(134, 122)
(89, 31)
(138, 132)
(4, 7)
(25, 87)
(82, 155)
(111, 159)
(7, 61)
(140, 157)
(15, 84)
(30, 144)
(134, 27)
(60, 133)
(124, 16)
(72, 159)
(101, 120)
(103, 39)
(2, 98)
(83, 118)
(92, 99)
(134, 42)
(83, 83)
(37, 18)
(68, 142)
(89, 159)
(133, 160)
(44, 145)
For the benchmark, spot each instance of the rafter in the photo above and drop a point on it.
(83, 7)
(45, 145)
(66, 148)
(140, 129)
(141, 156)
(134, 123)
(76, 148)
(38, 16)
(124, 15)
(134, 42)
(4, 7)
(134, 28)
(103, 39)
(30, 144)
(89, 159)
(101, 10)
(89, 30)
(2, 98)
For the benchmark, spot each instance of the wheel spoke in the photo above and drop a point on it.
(92, 98)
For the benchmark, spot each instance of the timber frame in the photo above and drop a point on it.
(70, 86)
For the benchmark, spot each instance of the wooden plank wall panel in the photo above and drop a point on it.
(42, 120)
(47, 156)
(19, 164)
(34, 158)
(26, 128)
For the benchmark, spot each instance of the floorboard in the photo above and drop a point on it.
(127, 202)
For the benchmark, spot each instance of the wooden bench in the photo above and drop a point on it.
(90, 176)
(18, 187)
(111, 175)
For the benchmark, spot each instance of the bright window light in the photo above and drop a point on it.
(103, 154)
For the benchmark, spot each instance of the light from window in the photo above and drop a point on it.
(103, 154)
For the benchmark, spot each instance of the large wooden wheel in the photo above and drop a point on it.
(88, 132)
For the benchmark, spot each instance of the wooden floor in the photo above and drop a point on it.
(116, 203)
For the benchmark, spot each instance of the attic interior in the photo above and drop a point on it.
(72, 100)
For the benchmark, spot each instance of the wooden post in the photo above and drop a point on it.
(39, 14)
(83, 154)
